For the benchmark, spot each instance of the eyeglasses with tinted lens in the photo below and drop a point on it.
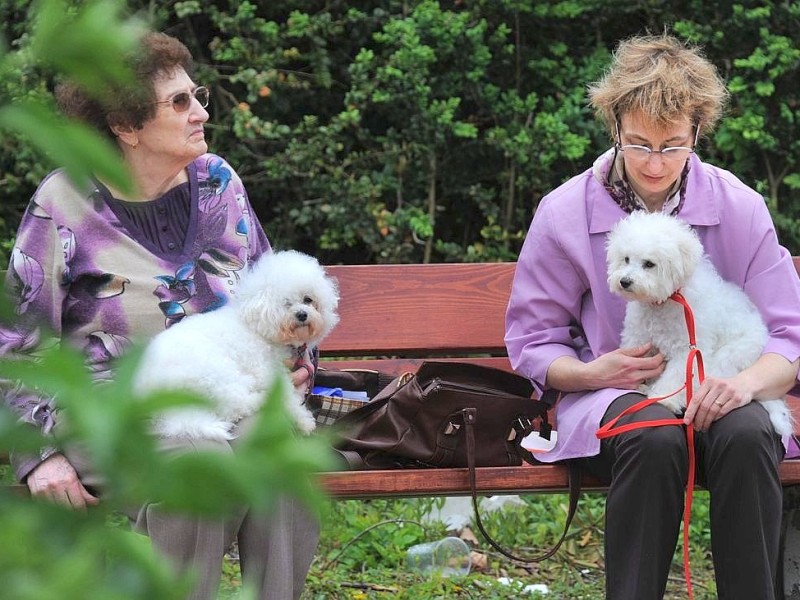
(183, 100)
(643, 153)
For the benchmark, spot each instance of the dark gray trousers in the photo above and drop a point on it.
(646, 469)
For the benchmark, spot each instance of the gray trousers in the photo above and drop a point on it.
(646, 469)
(275, 548)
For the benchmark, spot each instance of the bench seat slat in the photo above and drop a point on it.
(449, 482)
(351, 485)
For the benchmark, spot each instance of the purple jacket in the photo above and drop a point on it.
(77, 270)
(560, 303)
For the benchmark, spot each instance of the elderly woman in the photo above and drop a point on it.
(563, 330)
(101, 267)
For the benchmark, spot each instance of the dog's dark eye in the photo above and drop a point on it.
(308, 300)
(648, 264)
(627, 260)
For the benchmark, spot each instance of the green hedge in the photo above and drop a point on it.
(410, 131)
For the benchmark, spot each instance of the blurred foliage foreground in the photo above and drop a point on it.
(50, 552)
(54, 552)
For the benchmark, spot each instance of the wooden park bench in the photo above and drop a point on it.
(395, 316)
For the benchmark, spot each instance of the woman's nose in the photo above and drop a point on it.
(197, 112)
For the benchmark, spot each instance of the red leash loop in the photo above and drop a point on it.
(611, 429)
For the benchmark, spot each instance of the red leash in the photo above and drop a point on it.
(609, 429)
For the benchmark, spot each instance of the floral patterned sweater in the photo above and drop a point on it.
(78, 272)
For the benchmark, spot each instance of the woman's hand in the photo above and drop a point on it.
(715, 398)
(625, 368)
(301, 379)
(300, 371)
(770, 377)
(56, 479)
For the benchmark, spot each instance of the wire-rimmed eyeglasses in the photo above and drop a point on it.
(183, 100)
(643, 153)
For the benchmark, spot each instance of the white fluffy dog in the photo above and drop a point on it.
(235, 354)
(652, 255)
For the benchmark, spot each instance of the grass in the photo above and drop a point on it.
(362, 553)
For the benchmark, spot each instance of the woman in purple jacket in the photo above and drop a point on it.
(563, 330)
(102, 268)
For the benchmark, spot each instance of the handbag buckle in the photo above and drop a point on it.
(452, 428)
(520, 426)
(405, 378)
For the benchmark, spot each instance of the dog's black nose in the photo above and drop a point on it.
(301, 316)
(625, 282)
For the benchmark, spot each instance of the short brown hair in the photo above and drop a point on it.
(663, 78)
(132, 105)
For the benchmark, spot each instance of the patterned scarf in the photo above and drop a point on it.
(609, 170)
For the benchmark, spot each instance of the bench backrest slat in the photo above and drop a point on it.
(408, 310)
(422, 310)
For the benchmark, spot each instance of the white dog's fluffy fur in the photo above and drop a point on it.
(234, 355)
(652, 255)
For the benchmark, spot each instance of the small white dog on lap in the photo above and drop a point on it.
(234, 355)
(652, 255)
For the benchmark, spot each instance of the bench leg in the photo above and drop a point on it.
(789, 567)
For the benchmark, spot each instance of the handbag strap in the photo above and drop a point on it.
(469, 416)
(354, 461)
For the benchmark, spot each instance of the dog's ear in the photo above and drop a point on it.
(691, 251)
(327, 302)
(262, 311)
(614, 255)
(681, 252)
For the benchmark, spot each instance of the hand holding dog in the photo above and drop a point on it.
(715, 398)
(625, 368)
(718, 396)
(628, 368)
(300, 380)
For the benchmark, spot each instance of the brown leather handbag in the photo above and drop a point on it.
(450, 415)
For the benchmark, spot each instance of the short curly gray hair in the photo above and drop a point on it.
(664, 79)
(132, 105)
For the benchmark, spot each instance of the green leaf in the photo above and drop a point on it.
(793, 181)
(85, 44)
(77, 148)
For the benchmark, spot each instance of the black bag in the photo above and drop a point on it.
(451, 415)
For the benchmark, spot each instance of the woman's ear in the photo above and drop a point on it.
(126, 134)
